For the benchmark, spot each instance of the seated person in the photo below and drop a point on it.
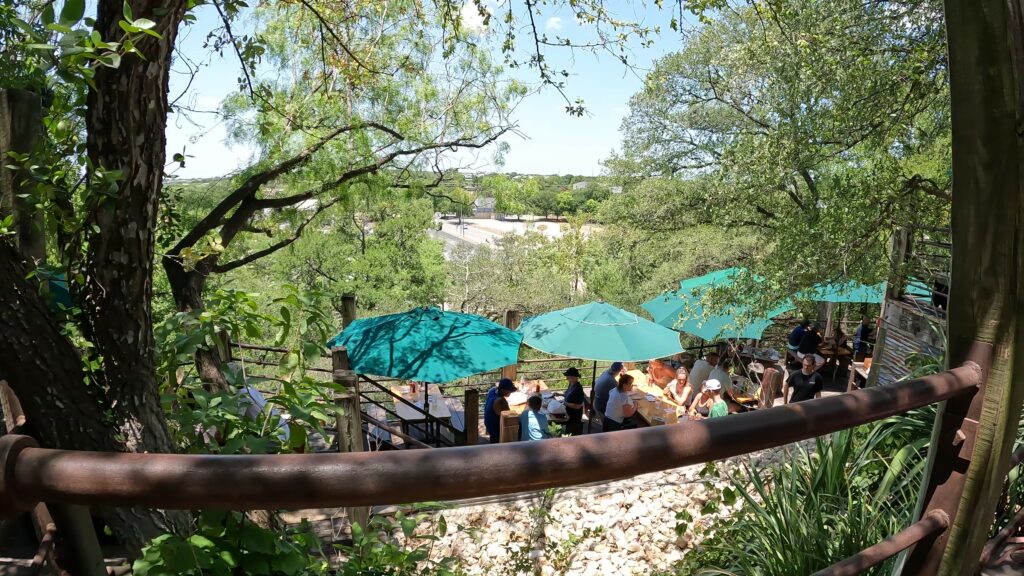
(839, 339)
(718, 407)
(702, 369)
(805, 384)
(532, 424)
(679, 389)
(810, 340)
(793, 342)
(494, 405)
(701, 405)
(618, 415)
(722, 374)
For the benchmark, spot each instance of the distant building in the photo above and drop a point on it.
(615, 189)
(581, 185)
(483, 207)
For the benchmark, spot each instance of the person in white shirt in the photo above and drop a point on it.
(721, 373)
(702, 370)
(618, 415)
(679, 389)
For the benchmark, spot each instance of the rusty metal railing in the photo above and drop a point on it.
(179, 481)
(935, 522)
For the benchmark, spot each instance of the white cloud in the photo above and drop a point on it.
(472, 21)
(553, 23)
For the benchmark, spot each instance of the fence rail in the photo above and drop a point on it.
(178, 481)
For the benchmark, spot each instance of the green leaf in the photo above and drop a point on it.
(127, 11)
(47, 16)
(200, 541)
(290, 361)
(256, 539)
(143, 24)
(408, 526)
(73, 11)
(40, 46)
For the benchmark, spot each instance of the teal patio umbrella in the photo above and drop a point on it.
(848, 291)
(683, 310)
(428, 345)
(599, 331)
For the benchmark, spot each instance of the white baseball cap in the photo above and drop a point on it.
(713, 384)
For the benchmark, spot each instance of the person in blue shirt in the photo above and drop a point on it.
(793, 342)
(495, 404)
(605, 382)
(862, 339)
(532, 424)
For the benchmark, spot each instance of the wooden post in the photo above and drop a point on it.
(349, 418)
(986, 292)
(471, 412)
(348, 309)
(77, 548)
(512, 320)
(21, 125)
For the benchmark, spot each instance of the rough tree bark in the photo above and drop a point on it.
(986, 303)
(125, 121)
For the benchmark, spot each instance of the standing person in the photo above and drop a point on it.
(574, 399)
(719, 407)
(806, 384)
(496, 403)
(702, 370)
(862, 340)
(605, 382)
(619, 413)
(532, 424)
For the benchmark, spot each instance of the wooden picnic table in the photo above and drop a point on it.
(438, 407)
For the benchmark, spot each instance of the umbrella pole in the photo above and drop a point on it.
(593, 383)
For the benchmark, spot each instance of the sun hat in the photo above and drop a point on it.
(506, 384)
(713, 384)
(571, 372)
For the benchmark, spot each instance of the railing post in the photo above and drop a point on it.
(349, 418)
(348, 309)
(512, 320)
(951, 453)
(471, 411)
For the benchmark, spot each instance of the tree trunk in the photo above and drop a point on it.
(986, 48)
(63, 413)
(187, 289)
(126, 120)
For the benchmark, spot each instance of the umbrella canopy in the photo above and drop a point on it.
(683, 310)
(599, 331)
(711, 279)
(428, 345)
(848, 291)
(734, 322)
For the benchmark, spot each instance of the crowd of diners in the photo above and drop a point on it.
(701, 388)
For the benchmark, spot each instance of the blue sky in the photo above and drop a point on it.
(552, 142)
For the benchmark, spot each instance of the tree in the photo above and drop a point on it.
(986, 302)
(819, 125)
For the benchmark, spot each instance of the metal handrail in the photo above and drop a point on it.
(427, 415)
(186, 481)
(935, 522)
(383, 426)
